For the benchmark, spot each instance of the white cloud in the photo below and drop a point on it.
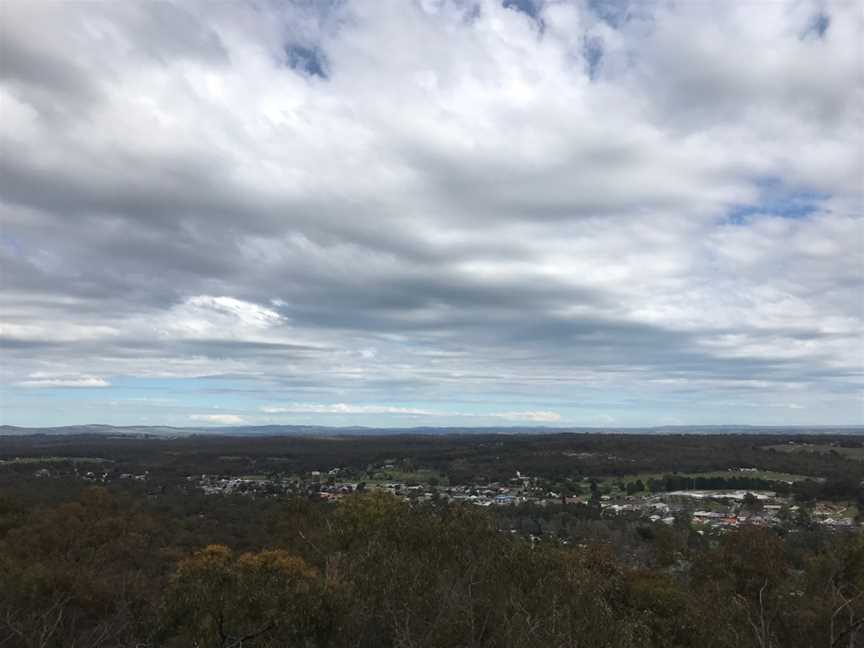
(50, 381)
(220, 419)
(205, 316)
(345, 408)
(251, 314)
(530, 417)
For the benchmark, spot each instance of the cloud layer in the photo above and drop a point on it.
(571, 212)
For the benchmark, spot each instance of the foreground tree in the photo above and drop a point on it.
(217, 600)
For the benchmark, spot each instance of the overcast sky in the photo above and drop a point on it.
(432, 212)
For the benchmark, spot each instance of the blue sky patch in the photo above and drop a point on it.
(778, 200)
(592, 51)
(613, 12)
(818, 26)
(310, 61)
(528, 7)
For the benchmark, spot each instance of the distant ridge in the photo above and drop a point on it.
(324, 431)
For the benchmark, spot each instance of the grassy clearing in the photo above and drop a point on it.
(421, 476)
(769, 475)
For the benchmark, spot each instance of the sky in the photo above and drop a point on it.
(432, 212)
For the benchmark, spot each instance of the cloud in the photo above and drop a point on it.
(42, 380)
(532, 417)
(345, 408)
(203, 316)
(532, 205)
(219, 419)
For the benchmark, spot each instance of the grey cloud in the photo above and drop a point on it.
(47, 81)
(167, 31)
(157, 190)
(25, 345)
(498, 220)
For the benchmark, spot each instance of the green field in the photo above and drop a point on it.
(768, 475)
(421, 476)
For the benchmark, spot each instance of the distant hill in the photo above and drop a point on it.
(321, 430)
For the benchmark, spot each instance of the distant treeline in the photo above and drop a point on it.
(463, 458)
(559, 459)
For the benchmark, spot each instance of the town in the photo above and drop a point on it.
(706, 510)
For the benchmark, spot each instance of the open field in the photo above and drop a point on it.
(617, 485)
(421, 476)
(770, 475)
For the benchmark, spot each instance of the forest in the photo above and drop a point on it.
(91, 561)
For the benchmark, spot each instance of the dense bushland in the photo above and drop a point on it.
(106, 568)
